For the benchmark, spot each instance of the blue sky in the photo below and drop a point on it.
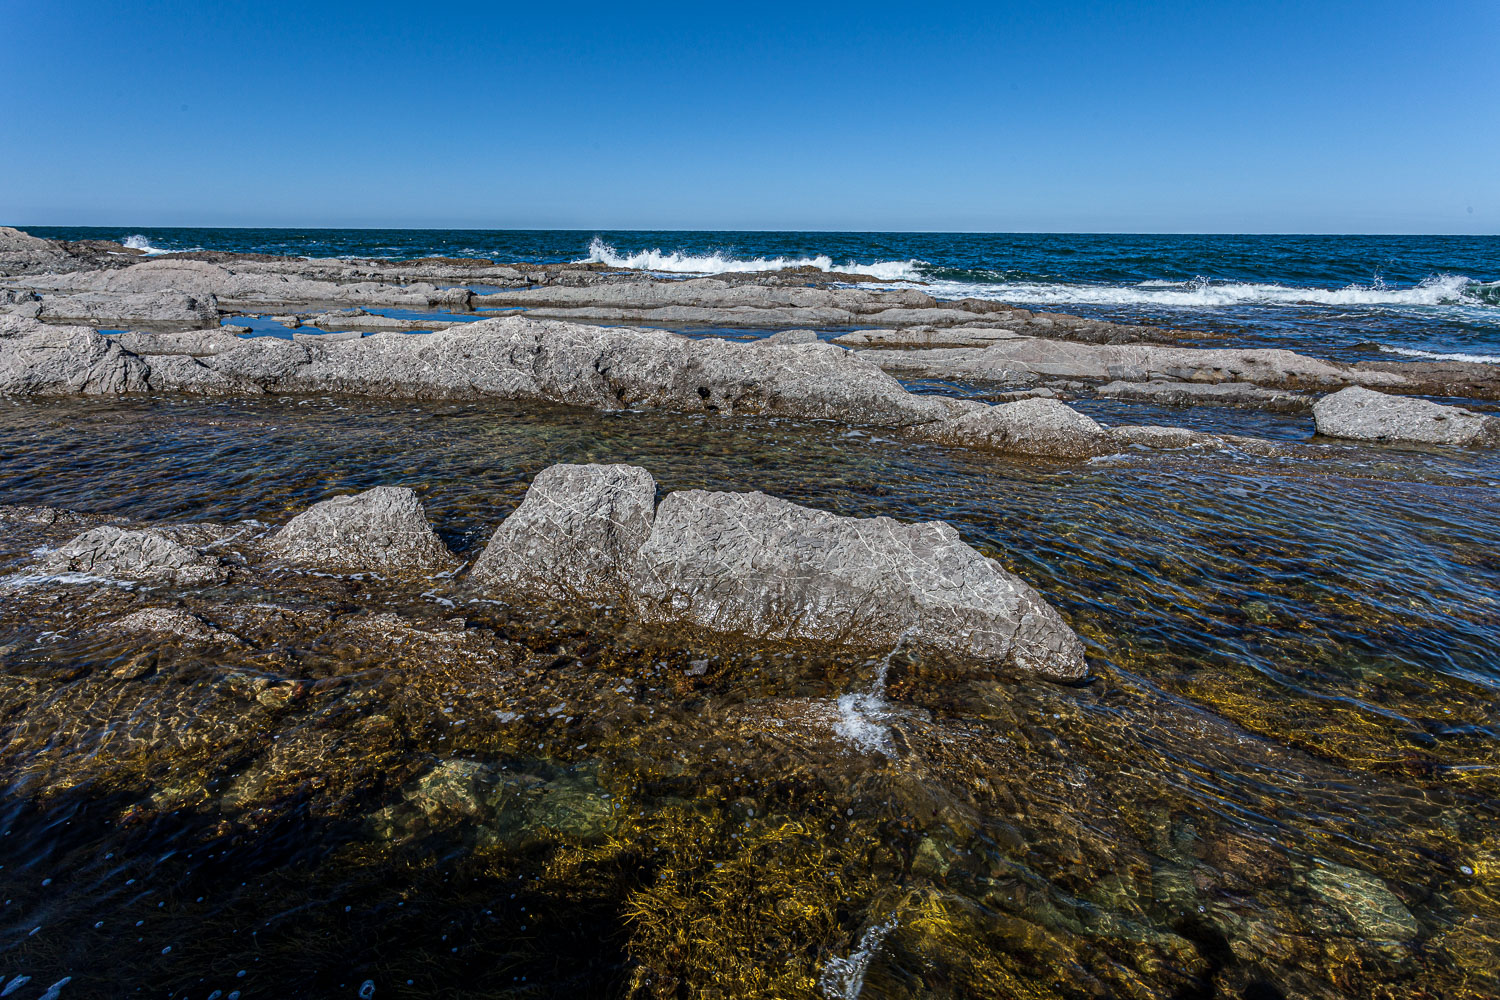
(1167, 117)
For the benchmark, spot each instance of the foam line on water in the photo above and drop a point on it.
(1411, 352)
(601, 252)
(1439, 290)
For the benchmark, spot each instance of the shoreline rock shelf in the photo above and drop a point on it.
(742, 563)
(519, 358)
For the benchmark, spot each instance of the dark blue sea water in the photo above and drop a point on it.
(1396, 296)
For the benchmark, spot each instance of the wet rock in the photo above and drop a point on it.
(379, 530)
(499, 808)
(751, 563)
(576, 531)
(1365, 415)
(41, 360)
(1235, 394)
(173, 621)
(114, 553)
(1364, 901)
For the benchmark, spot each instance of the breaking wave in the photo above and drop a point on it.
(1412, 352)
(1439, 290)
(139, 242)
(601, 252)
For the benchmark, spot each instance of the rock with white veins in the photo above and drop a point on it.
(148, 555)
(383, 530)
(1364, 415)
(576, 532)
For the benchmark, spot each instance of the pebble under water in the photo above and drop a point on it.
(1281, 780)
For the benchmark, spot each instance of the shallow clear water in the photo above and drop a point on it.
(1282, 780)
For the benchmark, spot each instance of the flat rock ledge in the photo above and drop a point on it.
(758, 565)
(1365, 415)
(549, 361)
(1243, 395)
(380, 530)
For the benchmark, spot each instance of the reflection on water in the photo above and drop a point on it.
(1281, 782)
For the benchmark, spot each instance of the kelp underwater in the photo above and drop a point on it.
(1279, 779)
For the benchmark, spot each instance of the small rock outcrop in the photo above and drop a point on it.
(577, 530)
(1365, 415)
(147, 555)
(175, 622)
(759, 565)
(41, 360)
(1037, 426)
(383, 530)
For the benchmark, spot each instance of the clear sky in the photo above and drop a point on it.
(1162, 117)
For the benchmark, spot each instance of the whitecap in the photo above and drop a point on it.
(601, 252)
(142, 243)
(1438, 290)
(1412, 352)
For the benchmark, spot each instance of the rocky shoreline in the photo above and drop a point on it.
(451, 604)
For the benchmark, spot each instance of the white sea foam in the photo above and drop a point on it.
(844, 978)
(1440, 290)
(862, 714)
(601, 252)
(139, 242)
(1412, 352)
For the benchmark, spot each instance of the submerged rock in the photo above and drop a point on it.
(1364, 901)
(379, 530)
(1365, 415)
(110, 552)
(576, 531)
(174, 621)
(1037, 426)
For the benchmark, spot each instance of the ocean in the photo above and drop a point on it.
(1350, 297)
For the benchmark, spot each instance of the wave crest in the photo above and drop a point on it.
(601, 252)
(1439, 290)
(139, 242)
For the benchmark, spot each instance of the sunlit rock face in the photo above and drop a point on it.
(762, 566)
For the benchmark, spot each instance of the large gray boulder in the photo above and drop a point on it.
(576, 532)
(747, 562)
(1365, 415)
(382, 530)
(765, 567)
(148, 555)
(41, 360)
